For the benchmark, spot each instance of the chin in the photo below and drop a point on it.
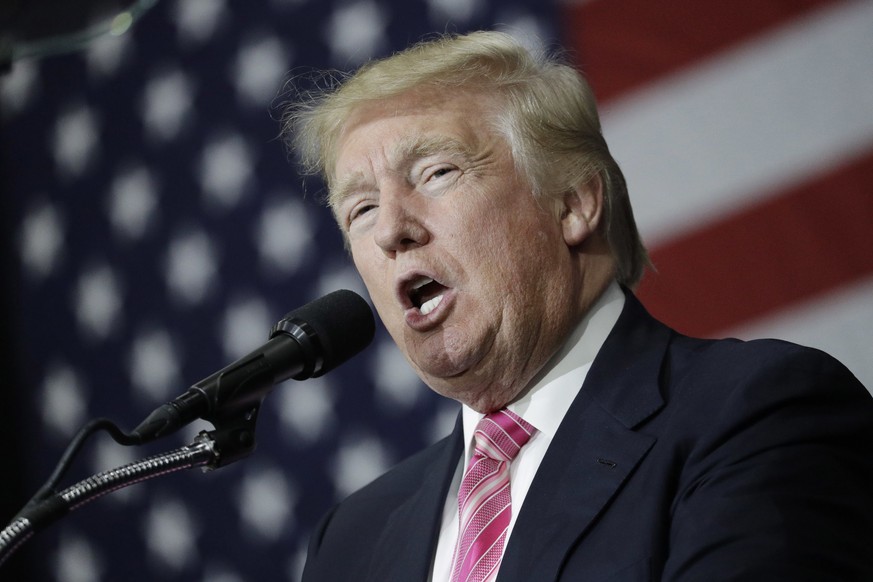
(450, 366)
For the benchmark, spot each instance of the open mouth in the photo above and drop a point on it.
(426, 294)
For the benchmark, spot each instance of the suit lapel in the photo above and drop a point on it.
(594, 451)
(406, 548)
(569, 492)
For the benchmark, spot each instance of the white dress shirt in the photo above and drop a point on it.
(544, 406)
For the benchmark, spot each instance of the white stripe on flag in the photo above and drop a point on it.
(767, 114)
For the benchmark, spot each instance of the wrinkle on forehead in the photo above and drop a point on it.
(435, 103)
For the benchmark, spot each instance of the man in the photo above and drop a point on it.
(493, 232)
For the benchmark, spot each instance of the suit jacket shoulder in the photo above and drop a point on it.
(688, 459)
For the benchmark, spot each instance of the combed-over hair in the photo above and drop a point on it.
(546, 111)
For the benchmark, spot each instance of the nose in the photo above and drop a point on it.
(399, 225)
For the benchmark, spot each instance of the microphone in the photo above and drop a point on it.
(306, 343)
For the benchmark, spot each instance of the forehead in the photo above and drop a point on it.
(417, 124)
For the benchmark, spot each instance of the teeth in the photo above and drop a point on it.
(421, 283)
(430, 305)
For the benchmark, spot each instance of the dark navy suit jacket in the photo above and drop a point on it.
(680, 460)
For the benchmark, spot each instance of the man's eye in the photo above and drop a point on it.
(359, 211)
(440, 172)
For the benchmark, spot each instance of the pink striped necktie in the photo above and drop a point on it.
(484, 501)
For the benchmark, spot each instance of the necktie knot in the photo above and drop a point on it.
(500, 435)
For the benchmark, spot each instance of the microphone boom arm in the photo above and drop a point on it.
(47, 509)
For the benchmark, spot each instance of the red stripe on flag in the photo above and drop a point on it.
(806, 241)
(623, 44)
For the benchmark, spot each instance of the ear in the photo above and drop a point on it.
(581, 211)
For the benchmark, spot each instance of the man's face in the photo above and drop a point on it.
(469, 273)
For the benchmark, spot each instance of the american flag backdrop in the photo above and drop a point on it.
(154, 229)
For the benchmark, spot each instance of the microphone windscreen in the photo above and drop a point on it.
(342, 325)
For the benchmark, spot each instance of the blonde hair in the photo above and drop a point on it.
(548, 116)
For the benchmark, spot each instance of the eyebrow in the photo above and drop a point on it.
(403, 155)
(424, 146)
(344, 188)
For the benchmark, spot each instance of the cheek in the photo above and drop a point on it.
(369, 272)
(517, 249)
(364, 257)
(374, 276)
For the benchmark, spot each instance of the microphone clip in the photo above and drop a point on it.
(233, 438)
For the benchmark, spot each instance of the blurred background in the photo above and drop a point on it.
(154, 229)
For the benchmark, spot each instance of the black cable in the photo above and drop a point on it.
(66, 460)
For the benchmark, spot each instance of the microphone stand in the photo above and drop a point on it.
(233, 440)
(307, 342)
